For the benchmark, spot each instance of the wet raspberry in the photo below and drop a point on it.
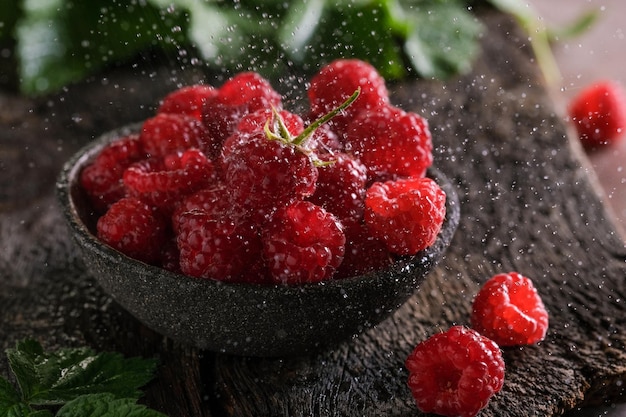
(164, 181)
(303, 243)
(166, 133)
(102, 179)
(242, 94)
(135, 229)
(211, 199)
(340, 187)
(263, 175)
(187, 100)
(455, 373)
(392, 143)
(508, 310)
(406, 214)
(599, 114)
(217, 244)
(363, 254)
(335, 82)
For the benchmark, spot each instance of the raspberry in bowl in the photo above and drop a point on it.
(284, 258)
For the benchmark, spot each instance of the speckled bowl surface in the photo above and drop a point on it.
(245, 319)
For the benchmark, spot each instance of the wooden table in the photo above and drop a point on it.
(527, 205)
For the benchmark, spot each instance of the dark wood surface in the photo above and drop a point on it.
(527, 204)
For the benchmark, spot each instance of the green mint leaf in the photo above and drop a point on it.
(59, 42)
(9, 397)
(55, 378)
(320, 31)
(105, 405)
(442, 40)
(23, 410)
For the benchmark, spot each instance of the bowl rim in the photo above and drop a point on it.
(67, 185)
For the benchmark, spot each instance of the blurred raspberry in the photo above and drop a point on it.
(599, 114)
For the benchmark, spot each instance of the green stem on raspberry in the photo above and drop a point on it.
(325, 118)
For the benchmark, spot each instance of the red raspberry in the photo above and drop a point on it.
(255, 121)
(242, 94)
(335, 82)
(303, 243)
(508, 310)
(340, 187)
(102, 178)
(392, 143)
(599, 114)
(163, 181)
(211, 199)
(168, 133)
(187, 100)
(215, 244)
(135, 229)
(406, 214)
(363, 254)
(455, 373)
(264, 174)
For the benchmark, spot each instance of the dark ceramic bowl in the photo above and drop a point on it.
(245, 319)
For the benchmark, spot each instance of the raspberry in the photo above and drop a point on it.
(255, 121)
(264, 174)
(167, 133)
(363, 254)
(210, 199)
(406, 214)
(335, 82)
(341, 187)
(102, 179)
(392, 143)
(187, 100)
(508, 310)
(455, 373)
(303, 243)
(135, 229)
(599, 114)
(215, 244)
(163, 181)
(242, 94)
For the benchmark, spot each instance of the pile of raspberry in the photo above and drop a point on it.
(225, 183)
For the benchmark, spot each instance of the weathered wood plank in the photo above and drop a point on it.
(528, 204)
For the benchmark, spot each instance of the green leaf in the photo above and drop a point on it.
(62, 41)
(9, 397)
(316, 32)
(105, 405)
(442, 40)
(54, 378)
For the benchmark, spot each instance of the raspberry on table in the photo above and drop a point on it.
(303, 243)
(599, 114)
(168, 133)
(455, 373)
(391, 142)
(508, 310)
(187, 100)
(335, 82)
(406, 214)
(134, 228)
(102, 178)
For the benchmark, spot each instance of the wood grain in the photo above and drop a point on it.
(528, 203)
